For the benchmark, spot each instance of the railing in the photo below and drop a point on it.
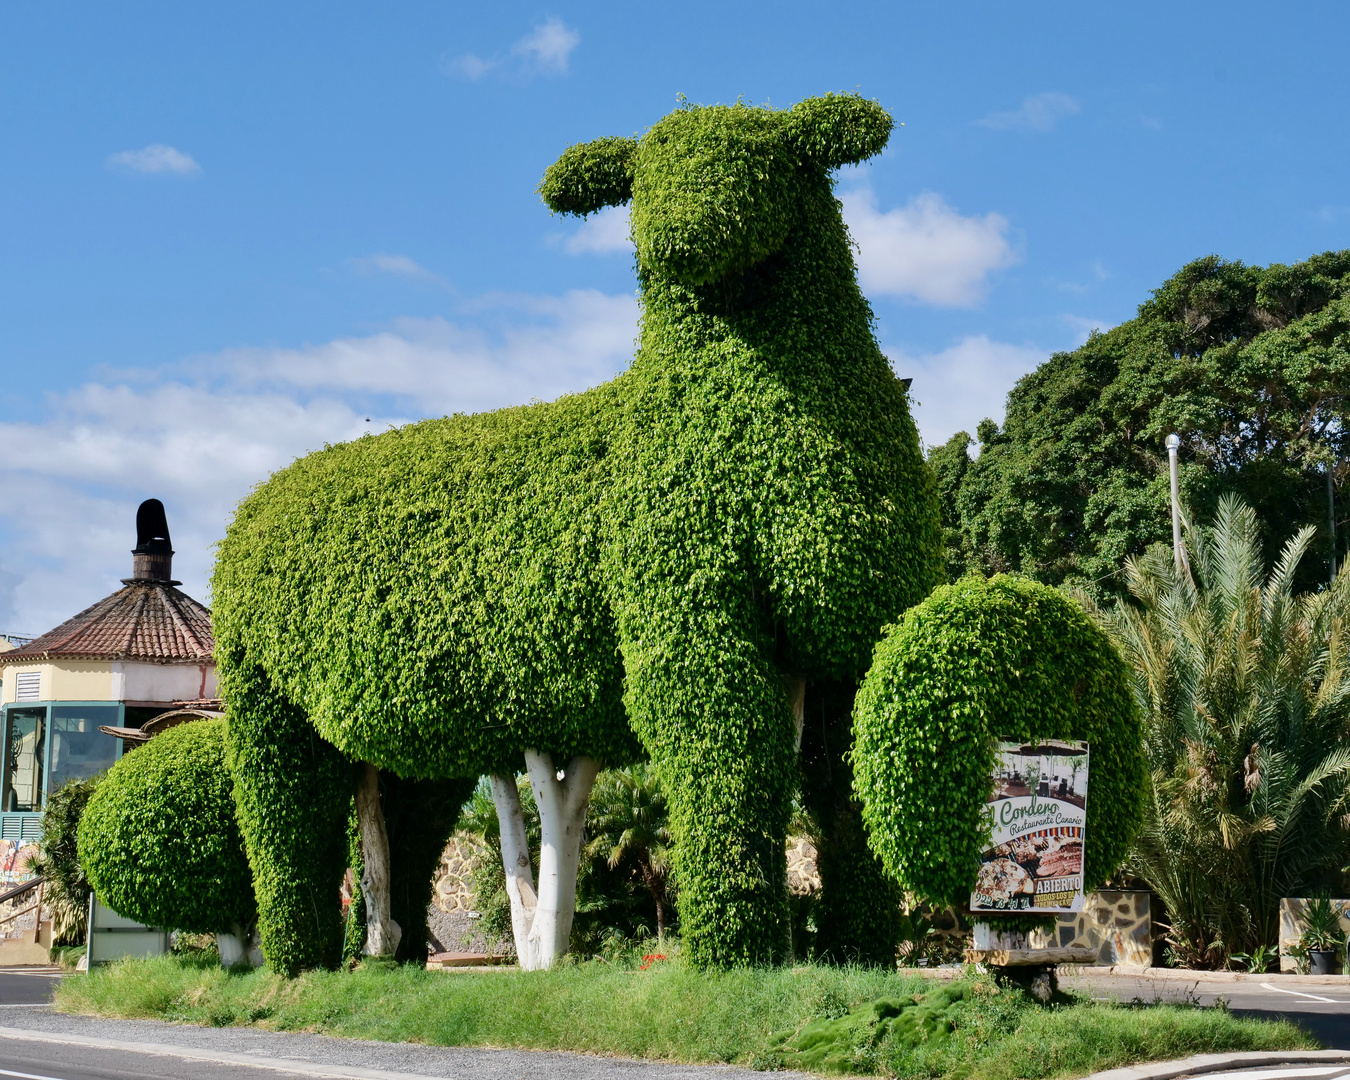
(20, 890)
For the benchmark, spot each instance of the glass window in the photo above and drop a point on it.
(25, 745)
(79, 749)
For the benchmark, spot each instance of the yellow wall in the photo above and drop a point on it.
(71, 680)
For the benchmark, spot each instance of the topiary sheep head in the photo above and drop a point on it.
(715, 189)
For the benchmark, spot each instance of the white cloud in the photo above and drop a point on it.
(545, 50)
(959, 386)
(154, 159)
(201, 433)
(1040, 112)
(396, 266)
(548, 46)
(926, 250)
(601, 234)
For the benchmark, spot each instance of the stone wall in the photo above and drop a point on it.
(1116, 924)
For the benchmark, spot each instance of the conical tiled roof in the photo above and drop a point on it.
(149, 621)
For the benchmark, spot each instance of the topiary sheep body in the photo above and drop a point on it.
(657, 563)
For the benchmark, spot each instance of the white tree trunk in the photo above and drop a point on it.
(382, 933)
(542, 922)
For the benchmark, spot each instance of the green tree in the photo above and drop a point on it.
(66, 887)
(629, 824)
(1244, 685)
(1250, 365)
(977, 662)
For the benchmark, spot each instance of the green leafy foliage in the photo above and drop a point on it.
(589, 176)
(1250, 365)
(419, 817)
(293, 797)
(158, 838)
(642, 561)
(977, 662)
(65, 885)
(629, 830)
(857, 919)
(1245, 694)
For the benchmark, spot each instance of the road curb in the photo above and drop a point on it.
(1189, 975)
(1209, 1063)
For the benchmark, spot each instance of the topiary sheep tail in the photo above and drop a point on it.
(293, 794)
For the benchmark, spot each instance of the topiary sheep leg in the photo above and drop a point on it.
(562, 826)
(717, 721)
(541, 922)
(420, 816)
(292, 795)
(858, 920)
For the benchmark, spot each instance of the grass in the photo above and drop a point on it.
(970, 1029)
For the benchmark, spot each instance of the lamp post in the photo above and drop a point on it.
(1173, 444)
(1331, 528)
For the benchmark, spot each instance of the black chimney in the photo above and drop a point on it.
(152, 557)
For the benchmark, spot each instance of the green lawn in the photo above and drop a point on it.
(970, 1028)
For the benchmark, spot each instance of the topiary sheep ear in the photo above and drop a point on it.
(590, 175)
(839, 129)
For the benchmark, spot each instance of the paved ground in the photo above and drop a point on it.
(1323, 1010)
(23, 988)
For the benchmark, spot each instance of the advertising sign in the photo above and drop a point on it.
(1036, 817)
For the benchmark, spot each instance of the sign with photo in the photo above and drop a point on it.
(1036, 814)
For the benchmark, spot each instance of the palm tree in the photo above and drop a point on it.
(1245, 691)
(627, 820)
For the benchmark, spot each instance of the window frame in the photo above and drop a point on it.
(49, 742)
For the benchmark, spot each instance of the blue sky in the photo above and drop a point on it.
(230, 233)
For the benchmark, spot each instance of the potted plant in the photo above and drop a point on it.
(1322, 934)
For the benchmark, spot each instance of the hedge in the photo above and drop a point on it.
(978, 662)
(158, 839)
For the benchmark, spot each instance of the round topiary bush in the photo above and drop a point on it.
(158, 839)
(978, 662)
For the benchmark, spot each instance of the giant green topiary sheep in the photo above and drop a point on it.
(660, 562)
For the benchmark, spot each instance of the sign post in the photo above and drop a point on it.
(1036, 818)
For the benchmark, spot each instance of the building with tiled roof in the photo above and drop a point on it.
(116, 665)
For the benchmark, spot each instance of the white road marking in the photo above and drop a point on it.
(1277, 1074)
(25, 1005)
(26, 1076)
(1299, 993)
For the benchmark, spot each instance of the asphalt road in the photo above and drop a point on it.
(38, 1044)
(1322, 1010)
(22, 989)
